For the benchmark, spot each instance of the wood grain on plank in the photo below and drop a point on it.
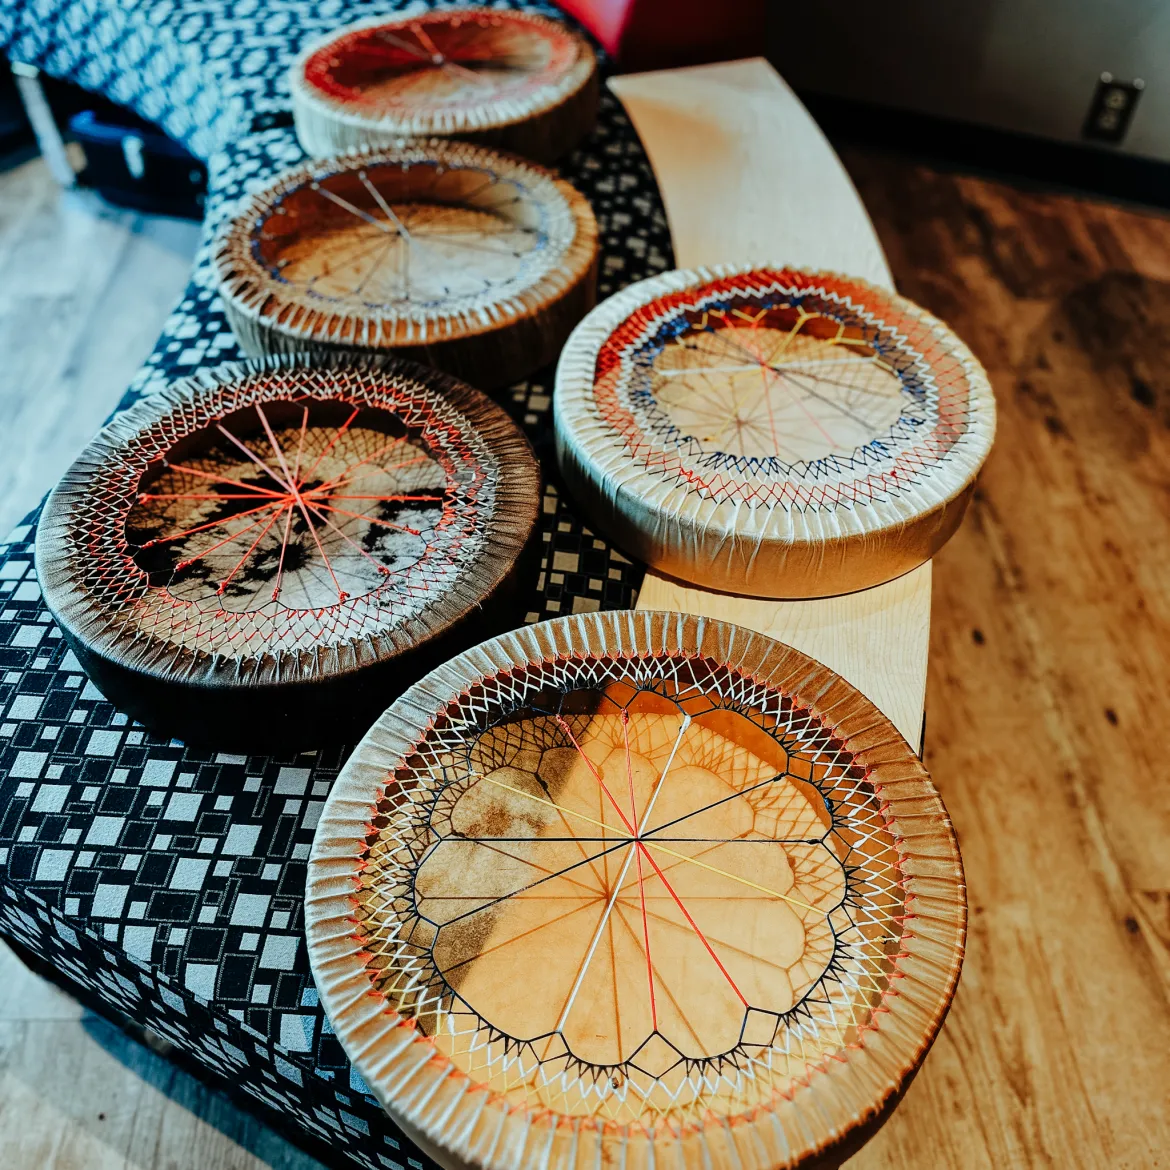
(746, 176)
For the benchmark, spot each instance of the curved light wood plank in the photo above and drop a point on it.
(877, 639)
(746, 175)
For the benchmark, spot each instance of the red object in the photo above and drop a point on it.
(659, 34)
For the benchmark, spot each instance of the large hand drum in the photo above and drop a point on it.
(259, 556)
(769, 431)
(635, 889)
(512, 79)
(453, 255)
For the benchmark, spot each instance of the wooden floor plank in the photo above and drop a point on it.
(86, 289)
(77, 1094)
(1049, 676)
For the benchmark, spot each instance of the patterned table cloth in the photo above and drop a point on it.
(165, 885)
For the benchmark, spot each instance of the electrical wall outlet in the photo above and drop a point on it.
(1112, 108)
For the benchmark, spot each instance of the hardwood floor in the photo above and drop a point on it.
(1049, 687)
(1048, 696)
(84, 291)
(78, 1094)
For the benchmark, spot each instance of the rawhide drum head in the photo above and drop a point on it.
(506, 78)
(469, 260)
(771, 432)
(264, 555)
(635, 889)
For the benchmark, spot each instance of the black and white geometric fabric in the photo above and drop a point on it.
(162, 882)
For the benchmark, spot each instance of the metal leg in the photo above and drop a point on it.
(52, 145)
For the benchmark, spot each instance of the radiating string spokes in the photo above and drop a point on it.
(707, 373)
(671, 963)
(431, 247)
(334, 516)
